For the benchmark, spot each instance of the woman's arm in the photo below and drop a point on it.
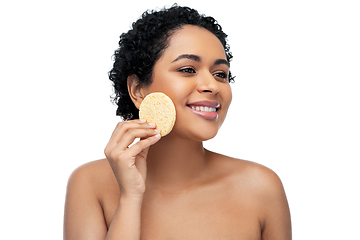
(84, 218)
(277, 220)
(126, 221)
(129, 167)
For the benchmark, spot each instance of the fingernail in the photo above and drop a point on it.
(151, 124)
(157, 135)
(142, 120)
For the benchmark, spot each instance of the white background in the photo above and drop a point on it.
(295, 107)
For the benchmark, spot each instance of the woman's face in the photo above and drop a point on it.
(193, 72)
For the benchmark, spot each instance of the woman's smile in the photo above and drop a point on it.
(205, 109)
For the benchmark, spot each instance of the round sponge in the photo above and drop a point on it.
(159, 109)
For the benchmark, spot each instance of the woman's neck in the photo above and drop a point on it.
(174, 164)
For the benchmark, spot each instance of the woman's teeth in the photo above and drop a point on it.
(204, 109)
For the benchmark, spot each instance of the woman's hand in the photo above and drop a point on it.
(129, 163)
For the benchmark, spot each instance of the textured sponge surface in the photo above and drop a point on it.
(158, 108)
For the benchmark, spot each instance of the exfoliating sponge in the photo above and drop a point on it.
(158, 108)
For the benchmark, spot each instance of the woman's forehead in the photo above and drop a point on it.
(194, 40)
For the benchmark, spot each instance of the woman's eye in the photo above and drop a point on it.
(187, 70)
(221, 75)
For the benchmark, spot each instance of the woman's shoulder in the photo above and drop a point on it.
(93, 169)
(246, 174)
(92, 176)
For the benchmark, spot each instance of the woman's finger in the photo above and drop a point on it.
(131, 134)
(123, 127)
(143, 144)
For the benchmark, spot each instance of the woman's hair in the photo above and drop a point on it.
(143, 45)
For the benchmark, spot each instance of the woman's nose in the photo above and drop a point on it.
(208, 84)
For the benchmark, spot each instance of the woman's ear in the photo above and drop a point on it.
(135, 90)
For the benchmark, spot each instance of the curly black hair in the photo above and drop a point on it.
(142, 46)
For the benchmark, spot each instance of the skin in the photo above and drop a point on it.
(171, 187)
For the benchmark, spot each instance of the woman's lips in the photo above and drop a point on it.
(205, 109)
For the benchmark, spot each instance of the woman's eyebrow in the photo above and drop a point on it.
(188, 56)
(198, 59)
(222, 61)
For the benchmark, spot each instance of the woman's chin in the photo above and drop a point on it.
(195, 134)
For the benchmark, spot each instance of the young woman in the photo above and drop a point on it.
(171, 187)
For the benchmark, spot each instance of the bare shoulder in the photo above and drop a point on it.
(83, 206)
(254, 173)
(90, 171)
(93, 169)
(260, 189)
(245, 177)
(93, 176)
